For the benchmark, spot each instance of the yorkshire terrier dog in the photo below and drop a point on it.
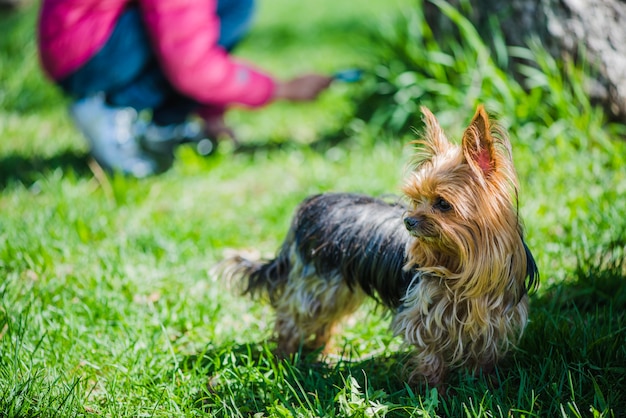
(451, 264)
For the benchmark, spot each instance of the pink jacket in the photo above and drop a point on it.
(184, 34)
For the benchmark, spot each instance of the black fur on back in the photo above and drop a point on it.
(360, 237)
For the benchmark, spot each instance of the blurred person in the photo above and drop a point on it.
(117, 58)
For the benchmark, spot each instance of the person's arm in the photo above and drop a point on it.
(184, 35)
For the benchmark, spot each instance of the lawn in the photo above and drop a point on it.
(107, 302)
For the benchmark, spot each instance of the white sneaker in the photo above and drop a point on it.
(110, 132)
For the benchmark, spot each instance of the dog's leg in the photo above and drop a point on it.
(309, 309)
(427, 362)
(289, 332)
(295, 332)
(425, 367)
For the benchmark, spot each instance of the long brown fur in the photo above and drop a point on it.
(451, 264)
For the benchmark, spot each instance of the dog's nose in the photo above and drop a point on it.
(410, 223)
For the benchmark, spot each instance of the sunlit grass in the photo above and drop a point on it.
(107, 306)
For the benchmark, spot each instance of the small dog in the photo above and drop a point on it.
(452, 264)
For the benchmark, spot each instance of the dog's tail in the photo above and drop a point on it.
(254, 276)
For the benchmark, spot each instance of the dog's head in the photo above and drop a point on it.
(463, 207)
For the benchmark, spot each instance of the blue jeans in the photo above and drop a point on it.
(127, 71)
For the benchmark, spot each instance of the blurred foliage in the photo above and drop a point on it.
(447, 73)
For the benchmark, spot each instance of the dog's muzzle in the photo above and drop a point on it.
(411, 223)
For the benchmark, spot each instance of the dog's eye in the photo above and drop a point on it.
(442, 205)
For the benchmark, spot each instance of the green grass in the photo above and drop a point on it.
(107, 306)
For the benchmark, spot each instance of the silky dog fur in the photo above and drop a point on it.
(450, 262)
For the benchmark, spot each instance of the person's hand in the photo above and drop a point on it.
(302, 88)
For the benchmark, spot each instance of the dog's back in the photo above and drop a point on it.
(358, 237)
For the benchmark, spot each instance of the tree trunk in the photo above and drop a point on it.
(563, 26)
(10, 5)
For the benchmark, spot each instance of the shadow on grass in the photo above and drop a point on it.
(26, 170)
(17, 168)
(250, 377)
(599, 280)
(20, 169)
(572, 357)
(321, 145)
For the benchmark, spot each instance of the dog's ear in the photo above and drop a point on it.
(478, 144)
(434, 138)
